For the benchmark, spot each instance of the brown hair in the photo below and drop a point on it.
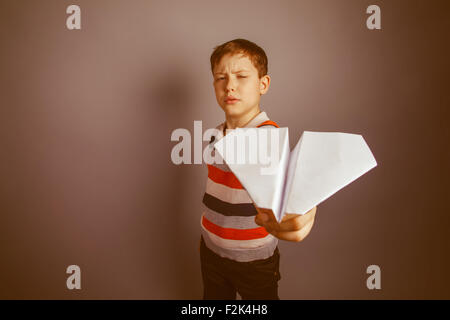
(255, 53)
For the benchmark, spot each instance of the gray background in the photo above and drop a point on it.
(85, 124)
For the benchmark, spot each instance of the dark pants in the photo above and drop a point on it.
(254, 280)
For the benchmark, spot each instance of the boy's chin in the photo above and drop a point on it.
(234, 111)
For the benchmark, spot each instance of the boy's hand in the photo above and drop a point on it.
(293, 227)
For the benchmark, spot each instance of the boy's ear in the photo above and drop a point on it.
(264, 84)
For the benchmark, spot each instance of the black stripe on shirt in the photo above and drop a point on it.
(229, 209)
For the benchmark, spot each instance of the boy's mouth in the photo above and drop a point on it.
(231, 100)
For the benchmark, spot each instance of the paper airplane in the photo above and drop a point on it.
(321, 164)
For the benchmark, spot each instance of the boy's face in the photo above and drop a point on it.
(238, 86)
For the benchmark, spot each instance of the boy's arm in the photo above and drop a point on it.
(293, 227)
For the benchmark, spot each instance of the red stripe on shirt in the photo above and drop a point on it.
(226, 178)
(234, 234)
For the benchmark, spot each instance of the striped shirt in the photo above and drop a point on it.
(228, 220)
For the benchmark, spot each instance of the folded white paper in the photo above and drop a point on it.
(321, 164)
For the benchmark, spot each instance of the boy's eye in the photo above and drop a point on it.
(223, 78)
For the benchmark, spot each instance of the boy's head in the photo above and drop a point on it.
(240, 75)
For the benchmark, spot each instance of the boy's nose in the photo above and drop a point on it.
(231, 86)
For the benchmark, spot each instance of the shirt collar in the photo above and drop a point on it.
(260, 118)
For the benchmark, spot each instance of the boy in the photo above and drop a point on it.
(238, 246)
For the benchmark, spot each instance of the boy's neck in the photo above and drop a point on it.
(233, 123)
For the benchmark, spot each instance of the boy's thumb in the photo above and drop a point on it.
(264, 217)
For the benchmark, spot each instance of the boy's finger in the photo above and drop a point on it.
(265, 215)
(296, 236)
(263, 210)
(303, 218)
(268, 224)
(258, 220)
(294, 224)
(289, 223)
